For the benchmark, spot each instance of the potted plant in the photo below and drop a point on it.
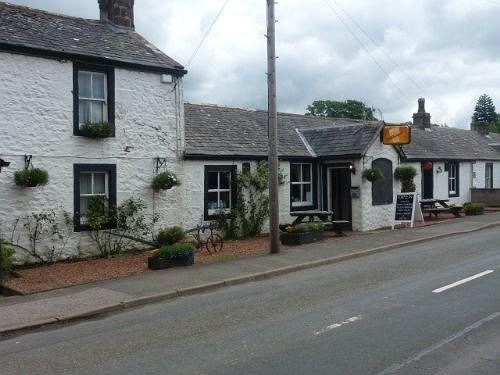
(178, 254)
(97, 130)
(31, 177)
(165, 181)
(302, 233)
(169, 236)
(405, 174)
(372, 174)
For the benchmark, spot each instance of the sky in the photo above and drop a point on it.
(387, 53)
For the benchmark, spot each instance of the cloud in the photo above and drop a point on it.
(443, 50)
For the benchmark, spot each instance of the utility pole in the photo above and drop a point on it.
(272, 130)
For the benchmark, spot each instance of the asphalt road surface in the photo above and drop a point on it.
(427, 309)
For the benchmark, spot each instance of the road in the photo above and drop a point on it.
(427, 309)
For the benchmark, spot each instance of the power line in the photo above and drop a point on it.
(200, 44)
(365, 48)
(389, 57)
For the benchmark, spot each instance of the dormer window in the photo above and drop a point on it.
(93, 95)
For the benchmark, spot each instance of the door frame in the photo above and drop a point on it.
(327, 190)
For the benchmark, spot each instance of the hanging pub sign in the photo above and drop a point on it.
(407, 209)
(396, 135)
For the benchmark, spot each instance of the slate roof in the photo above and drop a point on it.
(35, 31)
(216, 131)
(441, 143)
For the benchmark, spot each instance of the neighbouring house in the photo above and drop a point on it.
(322, 160)
(58, 73)
(451, 162)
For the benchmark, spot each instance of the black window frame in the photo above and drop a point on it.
(79, 168)
(447, 167)
(314, 178)
(110, 78)
(234, 192)
(383, 199)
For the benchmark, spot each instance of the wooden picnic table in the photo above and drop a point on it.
(436, 206)
(324, 216)
(311, 215)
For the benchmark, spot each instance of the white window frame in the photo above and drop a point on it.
(83, 216)
(216, 211)
(488, 176)
(92, 99)
(302, 183)
(453, 178)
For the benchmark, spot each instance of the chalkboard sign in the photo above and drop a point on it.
(405, 204)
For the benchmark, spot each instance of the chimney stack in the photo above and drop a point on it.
(482, 127)
(118, 12)
(422, 119)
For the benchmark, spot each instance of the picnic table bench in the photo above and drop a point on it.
(324, 216)
(437, 206)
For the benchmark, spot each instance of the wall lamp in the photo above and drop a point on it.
(4, 164)
(352, 168)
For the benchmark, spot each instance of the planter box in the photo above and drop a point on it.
(160, 264)
(294, 239)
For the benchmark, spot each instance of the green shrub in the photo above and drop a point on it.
(97, 130)
(31, 177)
(310, 227)
(408, 186)
(474, 208)
(405, 173)
(372, 174)
(165, 181)
(6, 254)
(179, 250)
(170, 236)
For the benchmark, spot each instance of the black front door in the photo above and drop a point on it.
(340, 183)
(428, 183)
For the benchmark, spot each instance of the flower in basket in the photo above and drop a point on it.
(165, 181)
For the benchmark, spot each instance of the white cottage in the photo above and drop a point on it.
(452, 163)
(59, 72)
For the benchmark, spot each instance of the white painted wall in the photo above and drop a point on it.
(36, 118)
(374, 217)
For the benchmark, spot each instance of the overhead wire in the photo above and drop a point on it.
(353, 34)
(390, 58)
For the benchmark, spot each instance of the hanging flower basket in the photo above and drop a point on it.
(372, 174)
(97, 130)
(31, 177)
(165, 181)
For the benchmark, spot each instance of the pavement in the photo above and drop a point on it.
(383, 314)
(19, 313)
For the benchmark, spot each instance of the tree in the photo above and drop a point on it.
(495, 127)
(485, 110)
(353, 109)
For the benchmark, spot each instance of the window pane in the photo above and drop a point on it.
(97, 112)
(84, 108)
(99, 183)
(213, 180)
(306, 193)
(84, 90)
(224, 201)
(98, 86)
(295, 191)
(306, 172)
(212, 201)
(225, 180)
(85, 183)
(295, 173)
(84, 206)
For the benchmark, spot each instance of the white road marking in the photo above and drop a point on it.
(463, 281)
(337, 325)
